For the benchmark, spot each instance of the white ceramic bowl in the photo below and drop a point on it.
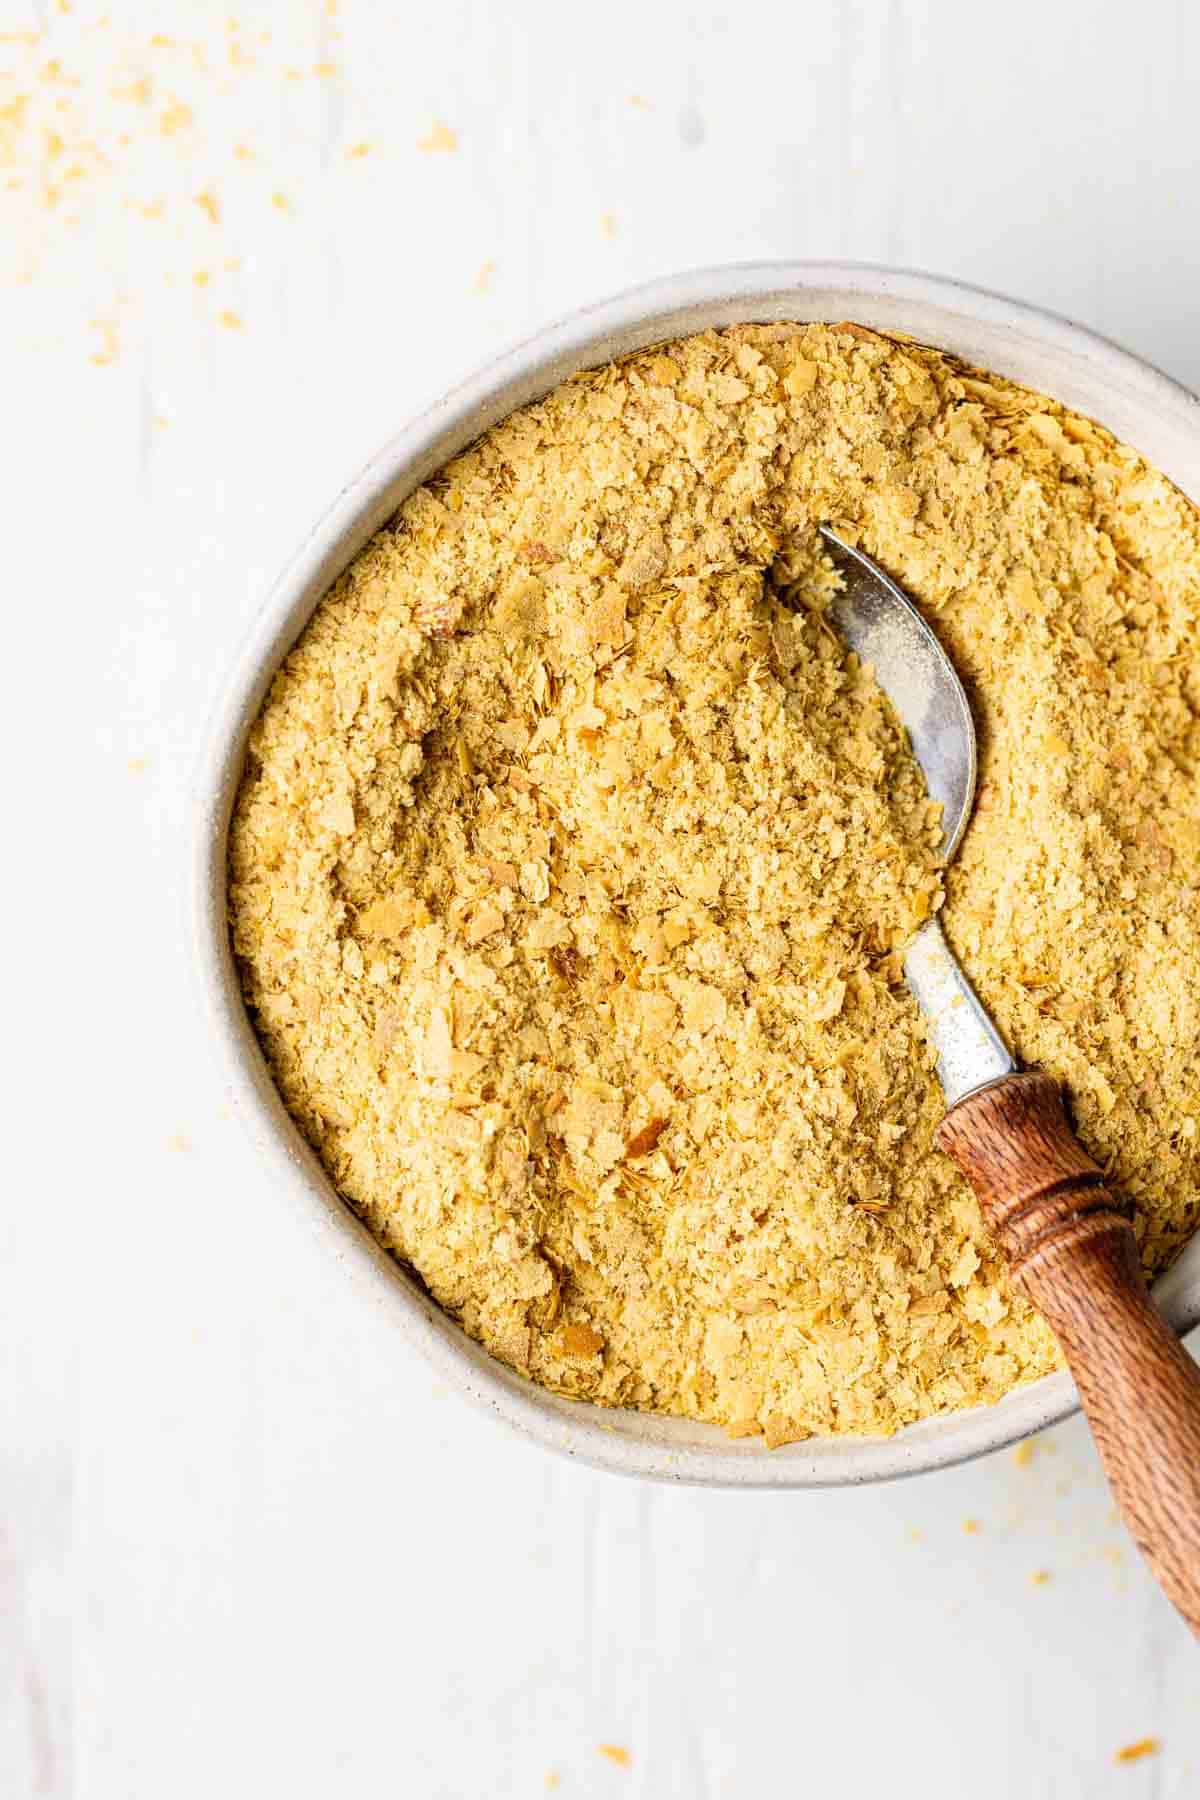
(1047, 353)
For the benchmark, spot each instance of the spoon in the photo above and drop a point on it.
(1068, 1242)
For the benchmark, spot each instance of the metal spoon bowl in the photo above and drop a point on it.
(883, 627)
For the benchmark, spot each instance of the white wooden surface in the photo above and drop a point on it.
(246, 1546)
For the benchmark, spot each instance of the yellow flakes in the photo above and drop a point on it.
(801, 378)
(573, 871)
(606, 619)
(336, 813)
(830, 1003)
(703, 1007)
(521, 607)
(535, 880)
(616, 1753)
(1137, 1752)
(139, 92)
(644, 563)
(439, 137)
(548, 931)
(110, 343)
(439, 1044)
(778, 1429)
(333, 1110)
(580, 1340)
(176, 117)
(208, 203)
(645, 1140)
(391, 917)
(487, 919)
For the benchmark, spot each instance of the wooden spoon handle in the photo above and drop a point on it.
(1071, 1250)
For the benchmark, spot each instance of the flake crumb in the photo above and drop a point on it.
(1131, 1753)
(208, 203)
(608, 225)
(1040, 1577)
(616, 1753)
(110, 343)
(439, 137)
(581, 1340)
(1024, 1454)
(483, 278)
(972, 1527)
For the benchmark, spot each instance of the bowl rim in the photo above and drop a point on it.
(1022, 337)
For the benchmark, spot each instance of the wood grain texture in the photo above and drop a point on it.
(1071, 1249)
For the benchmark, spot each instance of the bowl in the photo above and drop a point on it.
(1073, 365)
